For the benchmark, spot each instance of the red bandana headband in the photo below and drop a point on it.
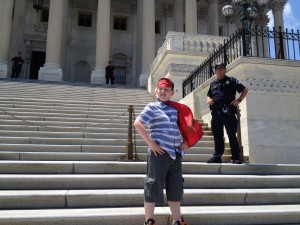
(164, 83)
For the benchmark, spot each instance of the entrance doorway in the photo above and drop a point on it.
(120, 75)
(37, 61)
(82, 72)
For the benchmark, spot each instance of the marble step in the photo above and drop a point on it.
(194, 215)
(140, 155)
(89, 148)
(76, 107)
(126, 98)
(47, 134)
(139, 167)
(96, 129)
(46, 199)
(134, 181)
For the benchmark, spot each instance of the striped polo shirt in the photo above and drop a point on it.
(162, 122)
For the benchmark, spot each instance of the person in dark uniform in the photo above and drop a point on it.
(17, 61)
(223, 105)
(109, 73)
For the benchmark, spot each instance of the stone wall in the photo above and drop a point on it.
(270, 118)
(179, 55)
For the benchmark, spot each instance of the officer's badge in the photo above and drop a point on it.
(227, 82)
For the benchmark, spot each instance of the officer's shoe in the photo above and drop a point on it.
(178, 222)
(215, 159)
(236, 161)
(150, 222)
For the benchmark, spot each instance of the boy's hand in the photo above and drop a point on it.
(156, 148)
(184, 146)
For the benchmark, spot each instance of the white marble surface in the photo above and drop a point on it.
(270, 114)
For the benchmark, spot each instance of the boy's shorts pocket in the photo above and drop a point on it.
(150, 189)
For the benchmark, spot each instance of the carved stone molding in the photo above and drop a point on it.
(277, 5)
(288, 86)
(182, 67)
(40, 28)
(262, 20)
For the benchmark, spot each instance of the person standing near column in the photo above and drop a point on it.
(223, 105)
(17, 61)
(110, 73)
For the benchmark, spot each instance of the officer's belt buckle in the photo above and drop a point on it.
(225, 109)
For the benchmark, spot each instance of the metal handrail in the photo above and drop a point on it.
(239, 134)
(274, 43)
(129, 146)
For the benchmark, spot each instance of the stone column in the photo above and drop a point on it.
(6, 11)
(169, 13)
(18, 27)
(102, 42)
(17, 37)
(52, 68)
(277, 10)
(139, 41)
(148, 38)
(213, 18)
(134, 75)
(260, 47)
(191, 16)
(178, 15)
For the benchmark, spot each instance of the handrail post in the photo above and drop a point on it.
(239, 134)
(281, 48)
(129, 146)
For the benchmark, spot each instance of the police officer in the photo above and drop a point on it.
(223, 105)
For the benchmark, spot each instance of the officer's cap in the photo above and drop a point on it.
(220, 65)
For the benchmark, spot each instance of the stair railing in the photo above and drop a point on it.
(265, 43)
(239, 134)
(129, 146)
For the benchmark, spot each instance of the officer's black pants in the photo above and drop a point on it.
(219, 120)
(109, 78)
(15, 72)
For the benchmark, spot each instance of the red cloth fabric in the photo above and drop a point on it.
(164, 83)
(191, 130)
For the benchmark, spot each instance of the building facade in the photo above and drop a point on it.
(72, 40)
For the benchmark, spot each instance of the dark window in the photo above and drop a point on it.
(221, 31)
(44, 15)
(84, 19)
(120, 23)
(157, 27)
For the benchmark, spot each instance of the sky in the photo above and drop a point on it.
(291, 15)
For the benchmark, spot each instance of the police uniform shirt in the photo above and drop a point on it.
(17, 61)
(223, 91)
(109, 70)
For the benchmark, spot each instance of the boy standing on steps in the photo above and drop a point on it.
(164, 161)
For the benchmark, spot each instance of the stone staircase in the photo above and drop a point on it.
(62, 162)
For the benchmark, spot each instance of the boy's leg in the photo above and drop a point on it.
(175, 209)
(149, 210)
(174, 187)
(154, 182)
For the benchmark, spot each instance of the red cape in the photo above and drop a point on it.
(190, 129)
